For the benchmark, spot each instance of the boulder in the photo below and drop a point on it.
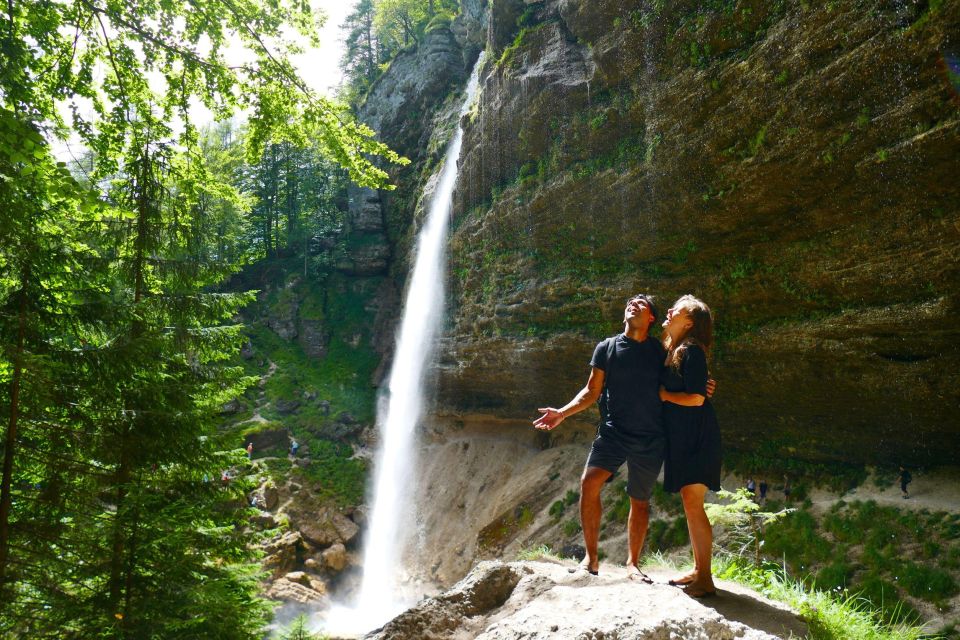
(263, 520)
(267, 439)
(281, 553)
(287, 405)
(287, 591)
(232, 407)
(324, 527)
(335, 557)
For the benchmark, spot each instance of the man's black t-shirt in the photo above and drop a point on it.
(632, 385)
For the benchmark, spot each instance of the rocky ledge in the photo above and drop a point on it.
(500, 601)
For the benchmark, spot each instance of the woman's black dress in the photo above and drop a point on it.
(693, 435)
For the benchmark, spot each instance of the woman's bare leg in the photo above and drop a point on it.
(701, 537)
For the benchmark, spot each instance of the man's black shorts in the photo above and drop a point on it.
(643, 455)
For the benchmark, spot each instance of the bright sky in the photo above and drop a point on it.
(321, 67)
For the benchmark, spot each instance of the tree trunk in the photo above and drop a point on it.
(144, 200)
(11, 440)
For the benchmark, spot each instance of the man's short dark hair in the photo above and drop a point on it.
(651, 303)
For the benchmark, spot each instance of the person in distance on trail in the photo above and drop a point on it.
(692, 464)
(625, 378)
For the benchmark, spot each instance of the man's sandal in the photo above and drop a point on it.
(583, 566)
(634, 573)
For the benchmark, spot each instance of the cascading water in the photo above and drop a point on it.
(380, 598)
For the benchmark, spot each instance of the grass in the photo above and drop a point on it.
(829, 615)
(539, 552)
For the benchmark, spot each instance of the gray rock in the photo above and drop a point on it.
(313, 338)
(485, 589)
(267, 439)
(365, 208)
(345, 417)
(232, 407)
(502, 25)
(367, 259)
(287, 405)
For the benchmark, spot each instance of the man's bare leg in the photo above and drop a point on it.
(590, 510)
(636, 532)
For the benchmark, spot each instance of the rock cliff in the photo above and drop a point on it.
(792, 163)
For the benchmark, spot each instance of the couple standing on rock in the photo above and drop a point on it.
(654, 409)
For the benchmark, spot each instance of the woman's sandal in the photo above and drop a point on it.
(699, 592)
(681, 581)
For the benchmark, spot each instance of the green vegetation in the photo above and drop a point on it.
(666, 535)
(298, 630)
(540, 552)
(830, 616)
(881, 554)
(118, 328)
(571, 527)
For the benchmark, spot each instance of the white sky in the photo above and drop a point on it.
(321, 67)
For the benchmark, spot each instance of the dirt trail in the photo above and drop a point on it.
(934, 490)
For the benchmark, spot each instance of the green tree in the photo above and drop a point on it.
(114, 342)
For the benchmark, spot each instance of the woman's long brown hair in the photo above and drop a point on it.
(700, 332)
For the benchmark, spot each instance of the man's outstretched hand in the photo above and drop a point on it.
(550, 419)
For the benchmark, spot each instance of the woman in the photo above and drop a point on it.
(693, 436)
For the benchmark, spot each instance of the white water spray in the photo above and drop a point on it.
(380, 598)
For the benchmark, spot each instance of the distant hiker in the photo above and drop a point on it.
(294, 447)
(905, 479)
(225, 478)
(250, 451)
(786, 489)
(624, 377)
(692, 464)
(752, 487)
(763, 491)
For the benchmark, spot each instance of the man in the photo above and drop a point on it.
(905, 479)
(625, 376)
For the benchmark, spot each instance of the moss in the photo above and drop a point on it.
(332, 472)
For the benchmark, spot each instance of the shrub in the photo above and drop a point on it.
(571, 527)
(929, 583)
(557, 509)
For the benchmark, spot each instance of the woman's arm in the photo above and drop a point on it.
(681, 398)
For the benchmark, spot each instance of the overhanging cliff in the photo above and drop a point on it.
(792, 163)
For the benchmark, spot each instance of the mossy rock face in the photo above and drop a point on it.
(790, 163)
(266, 438)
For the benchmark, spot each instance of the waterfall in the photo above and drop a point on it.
(379, 598)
